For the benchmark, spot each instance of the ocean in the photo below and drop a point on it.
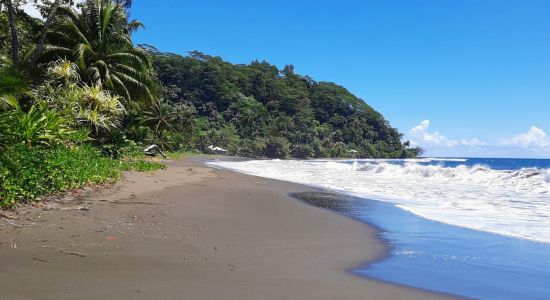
(475, 227)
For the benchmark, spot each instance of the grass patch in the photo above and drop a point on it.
(141, 165)
(177, 155)
(28, 173)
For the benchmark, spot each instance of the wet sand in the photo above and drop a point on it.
(189, 232)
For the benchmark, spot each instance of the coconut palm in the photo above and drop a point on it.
(159, 116)
(99, 41)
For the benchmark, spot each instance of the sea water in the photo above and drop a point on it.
(467, 226)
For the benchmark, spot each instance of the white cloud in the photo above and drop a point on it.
(534, 138)
(533, 143)
(420, 135)
(472, 142)
(31, 10)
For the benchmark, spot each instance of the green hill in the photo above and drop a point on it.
(258, 110)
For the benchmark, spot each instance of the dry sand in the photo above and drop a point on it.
(189, 232)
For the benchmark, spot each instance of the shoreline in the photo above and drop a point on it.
(197, 231)
(383, 255)
(426, 253)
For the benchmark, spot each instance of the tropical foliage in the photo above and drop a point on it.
(12, 85)
(98, 41)
(35, 126)
(27, 173)
(64, 85)
(89, 107)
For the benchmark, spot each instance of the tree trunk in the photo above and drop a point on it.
(42, 39)
(14, 40)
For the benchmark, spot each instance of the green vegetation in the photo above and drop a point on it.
(260, 111)
(78, 101)
(98, 41)
(27, 173)
(70, 86)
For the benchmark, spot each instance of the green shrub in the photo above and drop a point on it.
(252, 148)
(173, 141)
(258, 148)
(36, 126)
(113, 144)
(225, 137)
(141, 165)
(86, 106)
(303, 151)
(277, 147)
(318, 149)
(339, 149)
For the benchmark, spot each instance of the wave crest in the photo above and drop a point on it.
(509, 202)
(461, 172)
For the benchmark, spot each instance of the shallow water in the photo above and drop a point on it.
(440, 257)
(473, 227)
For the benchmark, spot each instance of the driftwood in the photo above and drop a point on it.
(153, 150)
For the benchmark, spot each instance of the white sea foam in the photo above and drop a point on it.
(514, 203)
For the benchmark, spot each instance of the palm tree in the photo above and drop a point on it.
(158, 116)
(99, 41)
(13, 30)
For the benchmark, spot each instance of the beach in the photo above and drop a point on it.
(190, 232)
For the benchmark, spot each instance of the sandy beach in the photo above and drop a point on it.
(189, 232)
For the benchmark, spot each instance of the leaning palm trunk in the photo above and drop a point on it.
(14, 39)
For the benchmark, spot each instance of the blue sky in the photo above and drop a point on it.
(460, 78)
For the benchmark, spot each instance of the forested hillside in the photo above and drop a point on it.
(258, 110)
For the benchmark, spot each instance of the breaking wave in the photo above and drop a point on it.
(508, 202)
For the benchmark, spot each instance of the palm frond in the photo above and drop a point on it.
(99, 41)
(118, 85)
(81, 52)
(134, 25)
